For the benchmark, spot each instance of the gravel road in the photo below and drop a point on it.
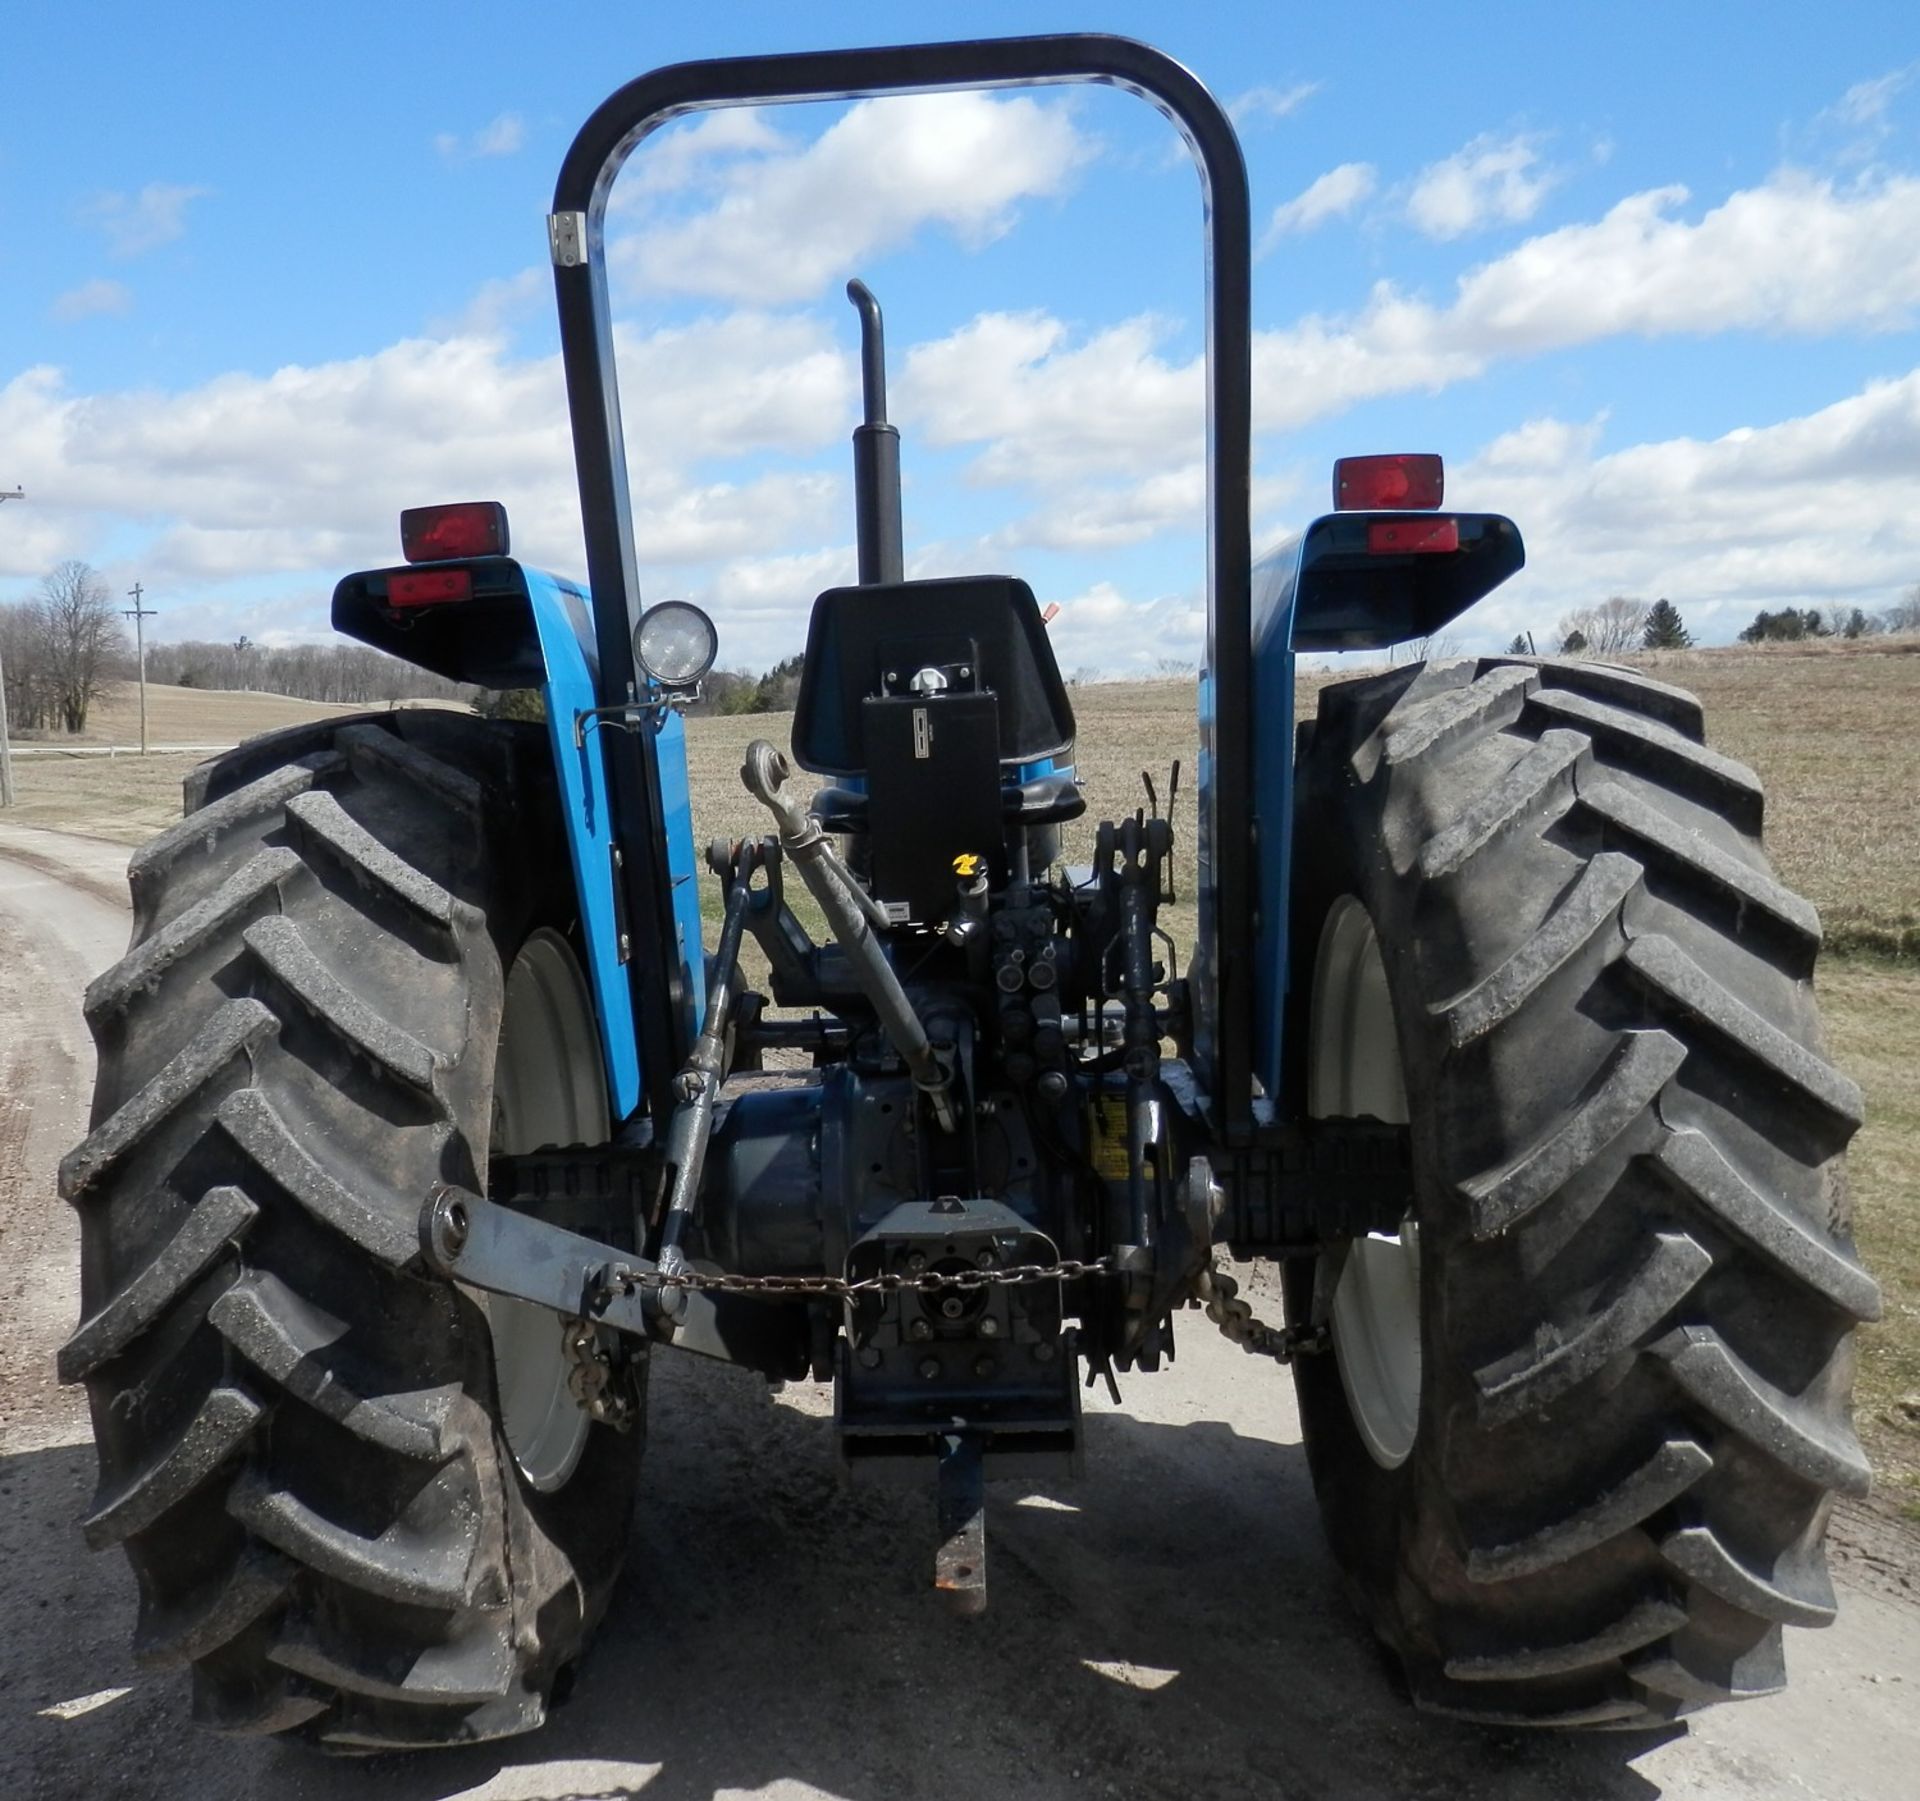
(1168, 1627)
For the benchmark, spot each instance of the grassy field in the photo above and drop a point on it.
(1833, 732)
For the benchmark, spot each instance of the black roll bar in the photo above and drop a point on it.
(609, 137)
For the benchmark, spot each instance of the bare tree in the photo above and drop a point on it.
(1616, 624)
(1436, 647)
(23, 652)
(1904, 614)
(82, 638)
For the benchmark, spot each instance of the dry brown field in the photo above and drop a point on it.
(189, 715)
(1833, 732)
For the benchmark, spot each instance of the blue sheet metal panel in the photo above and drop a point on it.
(683, 864)
(561, 618)
(1276, 585)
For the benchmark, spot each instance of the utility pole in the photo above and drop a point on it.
(6, 749)
(137, 613)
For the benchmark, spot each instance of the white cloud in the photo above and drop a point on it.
(1049, 410)
(1263, 103)
(137, 223)
(1866, 102)
(787, 225)
(687, 152)
(305, 469)
(1492, 181)
(1331, 196)
(730, 385)
(500, 137)
(1795, 254)
(1806, 510)
(91, 299)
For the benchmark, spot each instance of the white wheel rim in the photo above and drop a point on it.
(548, 1088)
(1355, 1070)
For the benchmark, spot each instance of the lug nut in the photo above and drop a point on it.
(919, 1330)
(989, 1327)
(929, 1367)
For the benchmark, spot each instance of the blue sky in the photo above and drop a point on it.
(1648, 277)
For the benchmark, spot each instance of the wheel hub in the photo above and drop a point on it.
(548, 1090)
(1356, 1071)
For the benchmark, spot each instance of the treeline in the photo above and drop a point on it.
(1621, 623)
(352, 674)
(1792, 625)
(735, 691)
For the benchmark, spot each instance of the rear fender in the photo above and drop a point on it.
(524, 628)
(1325, 590)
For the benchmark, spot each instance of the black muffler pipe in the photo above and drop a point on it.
(876, 454)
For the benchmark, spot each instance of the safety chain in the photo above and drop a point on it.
(931, 1281)
(1219, 1293)
(590, 1376)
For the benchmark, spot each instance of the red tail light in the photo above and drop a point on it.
(1387, 483)
(473, 528)
(1397, 537)
(428, 587)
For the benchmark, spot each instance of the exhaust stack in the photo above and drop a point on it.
(876, 454)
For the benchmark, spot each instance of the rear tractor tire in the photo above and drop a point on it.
(1587, 1411)
(359, 1505)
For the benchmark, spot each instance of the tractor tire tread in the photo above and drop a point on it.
(1625, 1467)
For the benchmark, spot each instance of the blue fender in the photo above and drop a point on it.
(524, 628)
(1334, 588)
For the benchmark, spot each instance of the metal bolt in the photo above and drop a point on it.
(984, 1367)
(1043, 1351)
(917, 1262)
(989, 1327)
(929, 1367)
(455, 1228)
(984, 1260)
(919, 1329)
(869, 1356)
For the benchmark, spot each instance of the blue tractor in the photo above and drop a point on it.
(427, 1116)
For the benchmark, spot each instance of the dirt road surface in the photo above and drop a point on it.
(1170, 1627)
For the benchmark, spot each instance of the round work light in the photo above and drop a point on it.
(675, 643)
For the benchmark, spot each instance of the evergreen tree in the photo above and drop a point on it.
(1664, 628)
(1518, 648)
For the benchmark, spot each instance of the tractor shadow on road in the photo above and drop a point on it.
(1170, 1626)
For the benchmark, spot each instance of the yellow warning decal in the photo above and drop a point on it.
(1107, 1136)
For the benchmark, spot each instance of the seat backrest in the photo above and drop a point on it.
(983, 632)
